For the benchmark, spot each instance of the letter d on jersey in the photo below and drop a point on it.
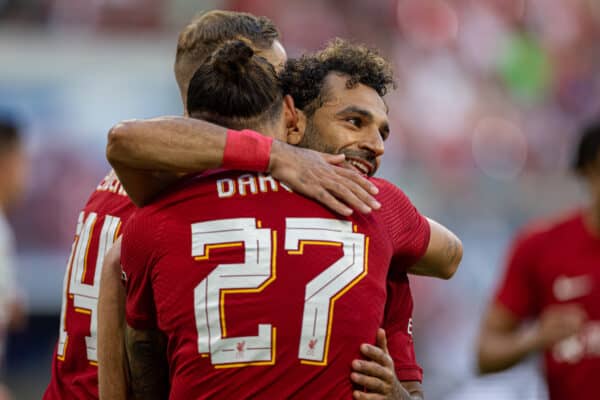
(225, 187)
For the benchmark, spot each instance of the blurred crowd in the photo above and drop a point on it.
(490, 96)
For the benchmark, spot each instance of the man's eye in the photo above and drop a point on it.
(354, 121)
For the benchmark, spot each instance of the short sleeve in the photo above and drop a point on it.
(517, 290)
(137, 259)
(398, 327)
(408, 229)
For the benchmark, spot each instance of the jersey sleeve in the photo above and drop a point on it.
(138, 255)
(408, 229)
(517, 289)
(398, 327)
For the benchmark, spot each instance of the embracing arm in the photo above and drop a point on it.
(112, 363)
(149, 371)
(443, 255)
(148, 155)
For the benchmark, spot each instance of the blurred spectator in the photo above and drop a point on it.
(12, 182)
(553, 278)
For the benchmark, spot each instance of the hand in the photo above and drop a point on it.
(316, 175)
(377, 376)
(558, 322)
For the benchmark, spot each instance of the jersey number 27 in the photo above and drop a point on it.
(257, 271)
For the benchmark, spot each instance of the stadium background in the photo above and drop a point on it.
(484, 120)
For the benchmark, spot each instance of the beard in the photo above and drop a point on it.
(312, 139)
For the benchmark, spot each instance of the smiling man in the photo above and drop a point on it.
(364, 120)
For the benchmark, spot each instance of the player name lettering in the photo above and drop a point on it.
(111, 184)
(247, 184)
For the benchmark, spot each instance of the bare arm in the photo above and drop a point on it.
(443, 254)
(377, 375)
(112, 362)
(146, 352)
(148, 155)
(503, 342)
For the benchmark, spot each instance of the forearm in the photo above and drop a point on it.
(175, 144)
(112, 362)
(501, 350)
(147, 364)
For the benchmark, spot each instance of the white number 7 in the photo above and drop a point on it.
(322, 292)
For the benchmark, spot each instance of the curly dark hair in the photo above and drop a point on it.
(303, 78)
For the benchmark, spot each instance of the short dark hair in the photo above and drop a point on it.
(588, 149)
(303, 78)
(210, 29)
(235, 88)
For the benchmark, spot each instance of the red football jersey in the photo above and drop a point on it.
(560, 264)
(398, 326)
(74, 365)
(261, 292)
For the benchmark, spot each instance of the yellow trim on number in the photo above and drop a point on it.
(83, 311)
(209, 247)
(256, 290)
(312, 242)
(257, 363)
(332, 303)
(87, 249)
(62, 358)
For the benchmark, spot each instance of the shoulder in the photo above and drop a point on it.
(388, 191)
(540, 231)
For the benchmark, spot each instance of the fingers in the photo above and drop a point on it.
(378, 355)
(381, 340)
(329, 201)
(342, 191)
(334, 159)
(358, 395)
(374, 370)
(359, 179)
(370, 384)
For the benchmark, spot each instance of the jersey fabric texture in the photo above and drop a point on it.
(261, 292)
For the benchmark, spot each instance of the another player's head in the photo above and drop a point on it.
(201, 37)
(340, 90)
(239, 89)
(587, 159)
(13, 163)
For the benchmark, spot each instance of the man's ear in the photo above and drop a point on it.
(295, 121)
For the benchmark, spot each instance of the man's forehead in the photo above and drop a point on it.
(338, 95)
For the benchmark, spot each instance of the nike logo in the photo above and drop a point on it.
(568, 288)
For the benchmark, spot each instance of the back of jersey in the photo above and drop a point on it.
(261, 292)
(74, 365)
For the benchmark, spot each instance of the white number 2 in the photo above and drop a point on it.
(258, 271)
(249, 277)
